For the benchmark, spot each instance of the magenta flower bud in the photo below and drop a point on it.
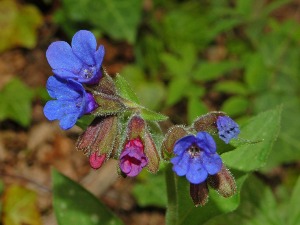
(96, 160)
(133, 158)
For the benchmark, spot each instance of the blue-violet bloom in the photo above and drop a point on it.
(227, 128)
(196, 157)
(81, 62)
(71, 101)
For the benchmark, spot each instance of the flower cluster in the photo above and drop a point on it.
(196, 157)
(72, 67)
(120, 130)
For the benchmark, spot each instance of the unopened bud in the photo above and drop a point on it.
(96, 160)
(151, 153)
(174, 134)
(136, 127)
(100, 136)
(207, 122)
(199, 193)
(223, 182)
(106, 85)
(108, 105)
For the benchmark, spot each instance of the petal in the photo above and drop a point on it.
(135, 170)
(211, 162)
(125, 166)
(183, 144)
(84, 46)
(99, 55)
(65, 74)
(206, 142)
(56, 109)
(68, 121)
(180, 166)
(227, 128)
(60, 56)
(196, 173)
(61, 89)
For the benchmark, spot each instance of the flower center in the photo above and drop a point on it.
(88, 73)
(194, 150)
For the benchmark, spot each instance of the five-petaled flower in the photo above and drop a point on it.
(133, 158)
(71, 101)
(81, 62)
(227, 128)
(196, 157)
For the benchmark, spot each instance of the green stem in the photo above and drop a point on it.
(172, 210)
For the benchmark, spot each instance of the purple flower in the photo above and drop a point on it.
(81, 62)
(196, 157)
(227, 128)
(132, 158)
(71, 102)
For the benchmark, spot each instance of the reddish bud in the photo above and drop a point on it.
(96, 160)
(223, 182)
(151, 153)
(207, 122)
(100, 136)
(136, 127)
(174, 134)
(199, 193)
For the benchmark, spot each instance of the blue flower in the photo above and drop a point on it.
(227, 128)
(71, 102)
(196, 157)
(81, 62)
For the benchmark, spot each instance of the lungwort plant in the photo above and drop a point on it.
(205, 163)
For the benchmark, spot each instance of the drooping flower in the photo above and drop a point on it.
(71, 101)
(133, 158)
(196, 157)
(81, 61)
(227, 128)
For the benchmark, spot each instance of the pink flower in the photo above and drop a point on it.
(133, 158)
(96, 160)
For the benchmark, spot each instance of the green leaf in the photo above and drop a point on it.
(151, 191)
(16, 100)
(75, 205)
(177, 89)
(231, 87)
(263, 129)
(195, 108)
(256, 74)
(18, 25)
(152, 116)
(125, 90)
(235, 106)
(85, 121)
(258, 206)
(208, 71)
(118, 19)
(20, 207)
(293, 213)
(181, 210)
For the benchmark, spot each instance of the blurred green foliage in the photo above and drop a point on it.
(195, 56)
(20, 206)
(118, 19)
(18, 25)
(15, 101)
